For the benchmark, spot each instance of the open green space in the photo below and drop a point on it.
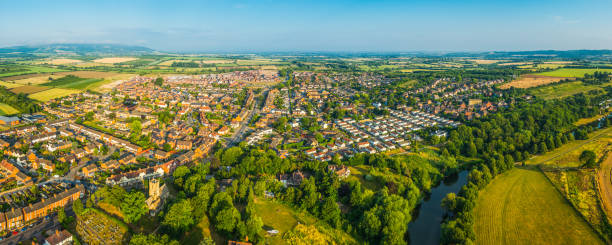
(522, 207)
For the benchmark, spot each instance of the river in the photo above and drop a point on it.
(425, 227)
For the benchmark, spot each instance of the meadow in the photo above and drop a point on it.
(562, 90)
(522, 207)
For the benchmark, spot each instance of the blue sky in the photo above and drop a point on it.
(316, 25)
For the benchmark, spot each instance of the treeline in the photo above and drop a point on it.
(190, 64)
(19, 101)
(503, 139)
(597, 78)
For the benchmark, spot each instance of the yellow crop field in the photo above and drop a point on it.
(53, 93)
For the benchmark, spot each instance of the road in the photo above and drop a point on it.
(242, 129)
(50, 224)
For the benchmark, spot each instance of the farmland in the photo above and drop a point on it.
(568, 72)
(63, 61)
(114, 60)
(528, 81)
(71, 81)
(9, 85)
(522, 207)
(28, 89)
(7, 71)
(52, 94)
(7, 109)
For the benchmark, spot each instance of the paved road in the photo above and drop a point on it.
(50, 224)
(242, 129)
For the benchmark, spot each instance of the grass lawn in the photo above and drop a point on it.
(53, 93)
(7, 109)
(569, 72)
(522, 207)
(567, 155)
(562, 90)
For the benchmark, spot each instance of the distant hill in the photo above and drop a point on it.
(74, 49)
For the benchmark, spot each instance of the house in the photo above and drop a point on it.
(184, 145)
(11, 121)
(90, 170)
(59, 238)
(342, 171)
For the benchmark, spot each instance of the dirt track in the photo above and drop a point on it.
(605, 184)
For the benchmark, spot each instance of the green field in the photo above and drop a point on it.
(16, 70)
(562, 90)
(72, 81)
(7, 109)
(522, 207)
(53, 93)
(568, 72)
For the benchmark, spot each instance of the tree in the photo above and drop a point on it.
(133, 206)
(179, 173)
(471, 150)
(227, 219)
(588, 159)
(179, 217)
(231, 155)
(61, 216)
(330, 212)
(254, 225)
(77, 206)
(158, 81)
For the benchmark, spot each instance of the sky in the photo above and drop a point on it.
(315, 25)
